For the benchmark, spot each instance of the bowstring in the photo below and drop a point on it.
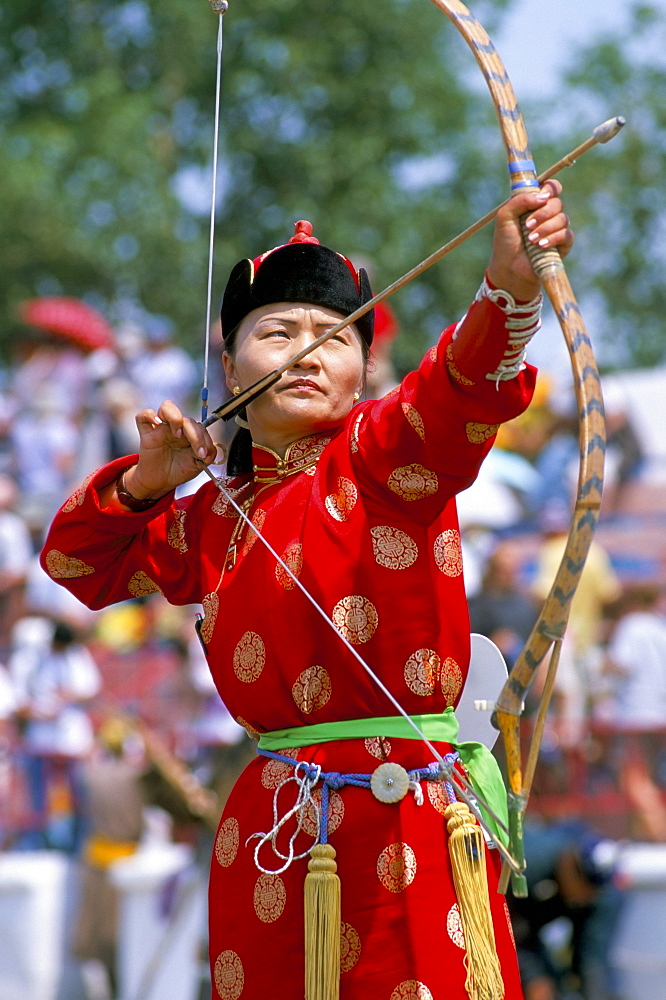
(213, 202)
(464, 789)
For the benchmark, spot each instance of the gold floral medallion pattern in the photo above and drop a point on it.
(413, 482)
(270, 897)
(448, 553)
(312, 689)
(340, 505)
(393, 548)
(226, 842)
(411, 989)
(396, 867)
(274, 772)
(78, 496)
(451, 678)
(378, 746)
(251, 731)
(257, 519)
(454, 371)
(62, 567)
(249, 657)
(438, 797)
(356, 617)
(293, 558)
(140, 585)
(479, 433)
(176, 534)
(422, 671)
(354, 434)
(350, 947)
(414, 418)
(432, 354)
(336, 812)
(222, 505)
(454, 926)
(229, 975)
(308, 447)
(211, 607)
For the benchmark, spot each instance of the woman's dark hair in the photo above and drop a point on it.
(239, 459)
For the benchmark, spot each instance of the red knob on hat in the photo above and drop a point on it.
(303, 232)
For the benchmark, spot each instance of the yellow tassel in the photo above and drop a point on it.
(468, 861)
(322, 925)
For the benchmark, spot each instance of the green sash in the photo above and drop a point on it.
(484, 773)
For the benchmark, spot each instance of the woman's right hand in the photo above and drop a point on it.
(172, 450)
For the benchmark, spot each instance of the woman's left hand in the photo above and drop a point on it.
(548, 224)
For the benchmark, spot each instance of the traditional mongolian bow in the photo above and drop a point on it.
(549, 630)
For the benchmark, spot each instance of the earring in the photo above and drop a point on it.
(357, 396)
(236, 390)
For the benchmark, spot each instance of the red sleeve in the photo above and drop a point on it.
(106, 555)
(428, 437)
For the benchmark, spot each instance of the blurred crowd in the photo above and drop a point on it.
(84, 696)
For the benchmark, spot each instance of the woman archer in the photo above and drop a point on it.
(358, 501)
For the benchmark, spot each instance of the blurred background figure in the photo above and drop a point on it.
(7, 711)
(636, 664)
(113, 813)
(564, 928)
(55, 676)
(625, 454)
(51, 394)
(16, 552)
(503, 610)
(581, 659)
(162, 369)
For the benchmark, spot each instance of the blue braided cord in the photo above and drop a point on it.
(334, 781)
(450, 759)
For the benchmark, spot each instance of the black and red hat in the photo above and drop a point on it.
(301, 270)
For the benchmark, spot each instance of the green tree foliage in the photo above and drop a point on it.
(358, 115)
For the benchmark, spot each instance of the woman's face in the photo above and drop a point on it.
(314, 394)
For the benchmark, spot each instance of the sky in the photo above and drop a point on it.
(538, 35)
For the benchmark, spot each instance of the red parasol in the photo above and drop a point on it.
(70, 319)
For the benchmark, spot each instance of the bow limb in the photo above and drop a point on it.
(549, 629)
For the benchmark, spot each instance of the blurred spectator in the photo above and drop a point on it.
(45, 440)
(163, 370)
(54, 677)
(16, 553)
(636, 661)
(119, 400)
(569, 873)
(113, 809)
(502, 610)
(556, 467)
(45, 364)
(580, 660)
(624, 456)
